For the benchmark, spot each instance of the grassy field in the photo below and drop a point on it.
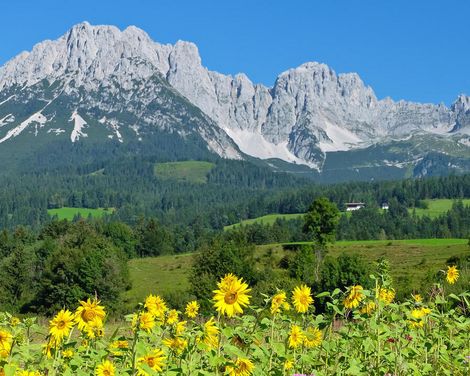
(437, 207)
(69, 213)
(410, 261)
(161, 275)
(265, 219)
(185, 171)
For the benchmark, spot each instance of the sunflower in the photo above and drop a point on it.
(155, 305)
(210, 336)
(180, 328)
(452, 274)
(5, 343)
(192, 309)
(301, 298)
(94, 328)
(60, 325)
(385, 295)
(241, 367)
(227, 280)
(89, 312)
(155, 360)
(144, 320)
(67, 353)
(368, 308)
(277, 302)
(172, 317)
(116, 348)
(288, 364)
(354, 297)
(296, 337)
(105, 369)
(231, 296)
(312, 337)
(177, 344)
(417, 298)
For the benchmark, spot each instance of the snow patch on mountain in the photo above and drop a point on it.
(79, 124)
(339, 139)
(36, 118)
(7, 119)
(256, 145)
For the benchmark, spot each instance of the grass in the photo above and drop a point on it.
(158, 275)
(437, 207)
(265, 219)
(184, 171)
(69, 213)
(410, 262)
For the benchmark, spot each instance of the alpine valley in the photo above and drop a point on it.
(102, 93)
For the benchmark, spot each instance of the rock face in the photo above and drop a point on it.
(309, 111)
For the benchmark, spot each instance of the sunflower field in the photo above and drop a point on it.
(362, 332)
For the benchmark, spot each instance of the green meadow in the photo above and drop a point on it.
(69, 213)
(410, 261)
(184, 171)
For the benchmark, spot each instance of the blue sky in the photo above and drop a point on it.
(414, 50)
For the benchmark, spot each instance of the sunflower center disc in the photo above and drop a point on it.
(230, 297)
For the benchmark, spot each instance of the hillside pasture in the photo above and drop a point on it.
(410, 262)
(184, 171)
(437, 207)
(70, 213)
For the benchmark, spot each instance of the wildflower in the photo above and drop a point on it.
(241, 367)
(354, 297)
(60, 325)
(172, 317)
(192, 309)
(155, 360)
(156, 306)
(301, 298)
(14, 321)
(312, 337)
(416, 324)
(105, 369)
(5, 343)
(419, 313)
(296, 337)
(417, 298)
(277, 302)
(177, 344)
(89, 312)
(452, 274)
(386, 295)
(231, 296)
(27, 373)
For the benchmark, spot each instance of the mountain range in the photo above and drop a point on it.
(110, 87)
